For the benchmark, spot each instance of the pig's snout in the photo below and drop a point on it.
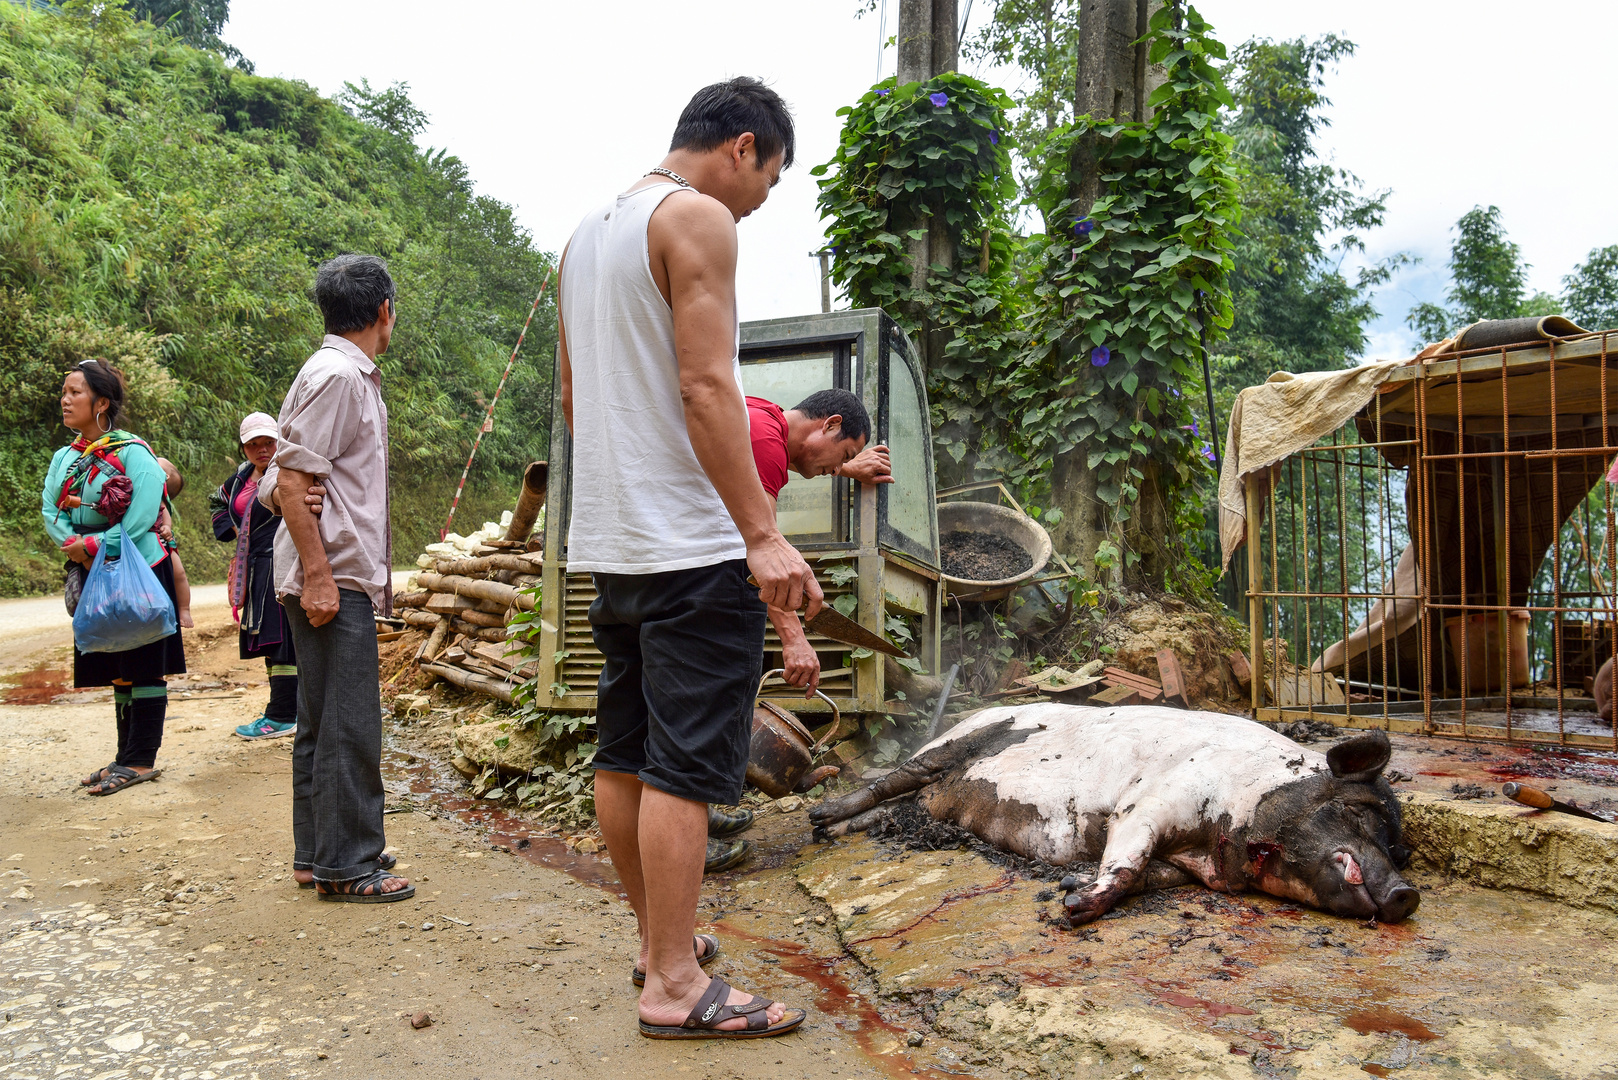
(1397, 905)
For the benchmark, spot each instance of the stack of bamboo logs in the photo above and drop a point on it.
(466, 604)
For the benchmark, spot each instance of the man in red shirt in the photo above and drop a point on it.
(823, 434)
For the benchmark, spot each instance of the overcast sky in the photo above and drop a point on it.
(556, 107)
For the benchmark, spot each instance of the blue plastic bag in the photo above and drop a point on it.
(123, 605)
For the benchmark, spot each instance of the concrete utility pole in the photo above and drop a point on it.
(929, 44)
(928, 39)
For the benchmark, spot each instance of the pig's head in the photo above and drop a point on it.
(1332, 840)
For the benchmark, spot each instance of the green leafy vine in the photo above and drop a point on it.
(911, 155)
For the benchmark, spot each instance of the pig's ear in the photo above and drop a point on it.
(1361, 758)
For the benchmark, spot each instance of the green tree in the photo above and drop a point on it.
(173, 225)
(103, 28)
(1295, 309)
(197, 23)
(1590, 292)
(1488, 280)
(1039, 38)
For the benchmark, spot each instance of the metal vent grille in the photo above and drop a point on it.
(580, 668)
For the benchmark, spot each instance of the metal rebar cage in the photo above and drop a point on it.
(1444, 562)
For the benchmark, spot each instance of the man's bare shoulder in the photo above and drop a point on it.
(690, 217)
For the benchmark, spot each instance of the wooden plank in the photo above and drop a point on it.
(1116, 675)
(1240, 668)
(1143, 695)
(1168, 668)
(1009, 675)
(1121, 694)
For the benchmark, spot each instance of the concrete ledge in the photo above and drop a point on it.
(1565, 858)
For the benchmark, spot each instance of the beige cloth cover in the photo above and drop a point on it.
(1280, 417)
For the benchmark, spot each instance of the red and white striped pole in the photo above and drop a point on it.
(488, 416)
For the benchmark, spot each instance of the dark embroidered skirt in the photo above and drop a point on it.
(273, 642)
(147, 664)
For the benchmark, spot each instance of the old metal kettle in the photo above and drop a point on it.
(780, 761)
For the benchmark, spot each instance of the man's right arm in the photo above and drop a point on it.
(324, 422)
(695, 238)
(319, 600)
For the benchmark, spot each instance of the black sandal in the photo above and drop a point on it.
(384, 861)
(98, 776)
(121, 776)
(709, 1013)
(710, 953)
(363, 890)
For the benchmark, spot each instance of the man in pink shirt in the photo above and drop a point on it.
(333, 570)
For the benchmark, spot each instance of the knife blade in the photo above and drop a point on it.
(839, 627)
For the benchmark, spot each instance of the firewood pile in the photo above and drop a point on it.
(467, 592)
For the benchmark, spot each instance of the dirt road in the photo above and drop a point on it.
(158, 933)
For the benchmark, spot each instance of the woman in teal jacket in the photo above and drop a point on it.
(76, 492)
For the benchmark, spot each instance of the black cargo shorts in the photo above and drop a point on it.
(684, 653)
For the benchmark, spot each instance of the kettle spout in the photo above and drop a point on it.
(816, 776)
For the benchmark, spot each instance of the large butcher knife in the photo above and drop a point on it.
(839, 627)
(1540, 800)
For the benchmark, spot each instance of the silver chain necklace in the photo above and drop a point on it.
(671, 174)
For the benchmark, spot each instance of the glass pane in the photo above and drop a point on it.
(910, 493)
(805, 509)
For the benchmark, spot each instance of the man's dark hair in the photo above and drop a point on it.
(824, 403)
(719, 113)
(107, 383)
(350, 289)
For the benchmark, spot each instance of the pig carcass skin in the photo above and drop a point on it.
(1223, 799)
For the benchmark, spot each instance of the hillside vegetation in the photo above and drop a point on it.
(165, 210)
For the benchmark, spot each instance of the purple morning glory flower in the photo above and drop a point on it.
(1083, 226)
(939, 98)
(994, 137)
(884, 92)
(1100, 356)
(1175, 390)
(1207, 452)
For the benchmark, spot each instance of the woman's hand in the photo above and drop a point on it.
(76, 550)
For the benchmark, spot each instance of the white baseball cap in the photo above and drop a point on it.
(259, 424)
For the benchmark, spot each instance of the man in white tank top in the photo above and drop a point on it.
(670, 518)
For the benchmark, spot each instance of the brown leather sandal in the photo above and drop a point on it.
(710, 1012)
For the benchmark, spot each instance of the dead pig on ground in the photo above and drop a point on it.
(1161, 796)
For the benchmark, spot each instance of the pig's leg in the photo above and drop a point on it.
(1158, 875)
(1604, 690)
(921, 770)
(856, 824)
(1130, 841)
(916, 773)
